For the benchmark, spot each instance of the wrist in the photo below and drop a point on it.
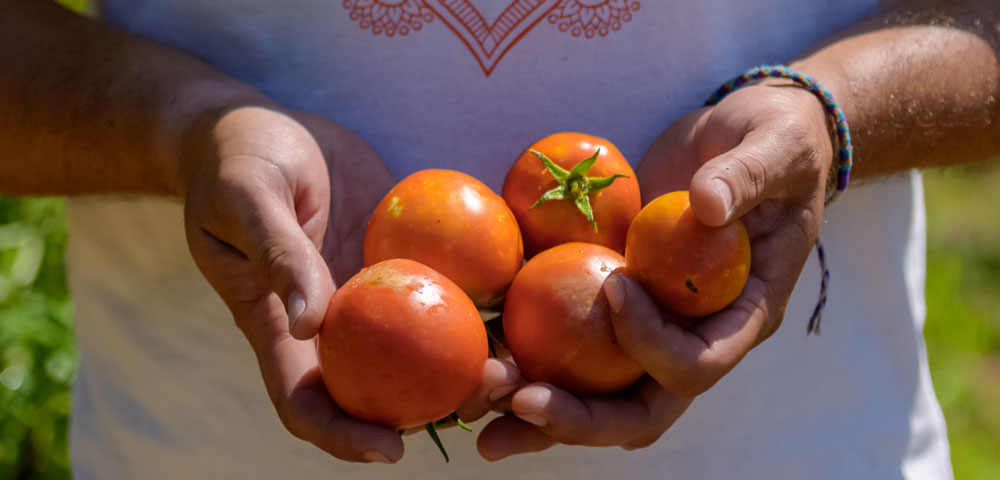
(823, 123)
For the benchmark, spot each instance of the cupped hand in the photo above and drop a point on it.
(762, 155)
(275, 212)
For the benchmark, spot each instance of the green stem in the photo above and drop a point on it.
(432, 431)
(574, 184)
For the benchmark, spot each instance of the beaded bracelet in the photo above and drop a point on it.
(845, 155)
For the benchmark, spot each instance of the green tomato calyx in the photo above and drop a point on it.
(574, 184)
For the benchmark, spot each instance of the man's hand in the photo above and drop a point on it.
(762, 154)
(276, 204)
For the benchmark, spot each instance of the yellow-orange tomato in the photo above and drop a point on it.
(557, 325)
(691, 268)
(401, 345)
(561, 221)
(452, 223)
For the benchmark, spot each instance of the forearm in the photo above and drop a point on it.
(919, 86)
(88, 109)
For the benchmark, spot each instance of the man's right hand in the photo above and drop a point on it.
(275, 211)
(257, 212)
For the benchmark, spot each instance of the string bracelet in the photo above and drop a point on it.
(844, 155)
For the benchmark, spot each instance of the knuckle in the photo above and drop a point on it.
(752, 171)
(644, 440)
(273, 258)
(289, 419)
(690, 385)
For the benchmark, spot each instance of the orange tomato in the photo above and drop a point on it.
(691, 268)
(401, 345)
(560, 219)
(557, 325)
(452, 223)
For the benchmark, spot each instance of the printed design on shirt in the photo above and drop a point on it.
(590, 18)
(389, 16)
(489, 42)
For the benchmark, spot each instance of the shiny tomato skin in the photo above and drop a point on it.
(401, 345)
(557, 322)
(452, 223)
(559, 221)
(692, 269)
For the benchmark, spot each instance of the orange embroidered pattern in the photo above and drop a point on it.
(578, 18)
(389, 17)
(487, 42)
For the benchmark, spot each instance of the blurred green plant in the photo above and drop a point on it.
(37, 352)
(963, 312)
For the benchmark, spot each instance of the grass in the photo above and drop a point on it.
(37, 353)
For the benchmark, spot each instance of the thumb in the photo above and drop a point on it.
(654, 340)
(733, 183)
(293, 267)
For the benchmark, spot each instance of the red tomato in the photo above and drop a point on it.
(557, 324)
(401, 345)
(452, 223)
(561, 219)
(691, 268)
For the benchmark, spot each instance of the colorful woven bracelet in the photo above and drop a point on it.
(845, 155)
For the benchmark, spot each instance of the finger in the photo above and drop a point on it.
(633, 420)
(296, 388)
(264, 220)
(507, 435)
(733, 183)
(295, 270)
(686, 362)
(500, 379)
(309, 413)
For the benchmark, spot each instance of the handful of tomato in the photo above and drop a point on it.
(403, 344)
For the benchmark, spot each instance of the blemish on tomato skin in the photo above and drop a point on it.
(690, 285)
(395, 207)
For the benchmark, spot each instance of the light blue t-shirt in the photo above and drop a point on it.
(169, 389)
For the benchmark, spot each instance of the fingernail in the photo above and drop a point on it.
(375, 456)
(615, 291)
(501, 392)
(534, 419)
(296, 305)
(725, 194)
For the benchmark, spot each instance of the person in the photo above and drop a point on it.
(239, 146)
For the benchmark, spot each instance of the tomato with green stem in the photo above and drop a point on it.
(572, 187)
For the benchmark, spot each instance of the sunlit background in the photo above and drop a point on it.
(38, 356)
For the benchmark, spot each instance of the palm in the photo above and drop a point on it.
(782, 226)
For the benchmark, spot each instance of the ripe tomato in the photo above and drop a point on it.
(557, 324)
(691, 268)
(401, 345)
(608, 188)
(452, 223)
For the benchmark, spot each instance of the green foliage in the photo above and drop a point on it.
(963, 312)
(75, 5)
(37, 353)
